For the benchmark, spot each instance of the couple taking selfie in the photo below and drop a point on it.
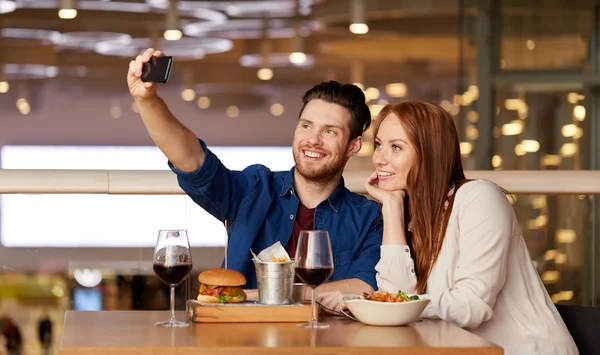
(430, 231)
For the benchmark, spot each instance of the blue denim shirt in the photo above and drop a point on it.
(260, 207)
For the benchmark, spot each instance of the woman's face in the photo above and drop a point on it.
(394, 154)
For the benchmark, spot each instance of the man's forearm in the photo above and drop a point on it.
(349, 286)
(179, 144)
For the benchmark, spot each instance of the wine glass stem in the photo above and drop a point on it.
(172, 303)
(314, 306)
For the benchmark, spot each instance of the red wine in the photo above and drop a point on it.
(313, 277)
(173, 274)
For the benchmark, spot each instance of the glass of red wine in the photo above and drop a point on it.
(172, 264)
(314, 265)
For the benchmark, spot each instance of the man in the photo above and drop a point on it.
(263, 207)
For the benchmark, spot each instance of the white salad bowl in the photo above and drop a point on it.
(385, 313)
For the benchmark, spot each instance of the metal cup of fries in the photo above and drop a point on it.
(275, 273)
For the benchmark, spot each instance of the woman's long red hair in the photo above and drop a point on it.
(437, 168)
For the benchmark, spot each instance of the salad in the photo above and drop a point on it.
(383, 296)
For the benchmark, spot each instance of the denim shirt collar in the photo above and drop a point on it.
(333, 200)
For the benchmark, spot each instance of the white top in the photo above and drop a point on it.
(484, 279)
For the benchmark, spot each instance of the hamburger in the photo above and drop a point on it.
(221, 286)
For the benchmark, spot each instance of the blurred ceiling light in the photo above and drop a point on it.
(530, 44)
(23, 106)
(275, 60)
(396, 89)
(579, 133)
(67, 14)
(513, 104)
(496, 161)
(550, 254)
(454, 110)
(531, 225)
(550, 276)
(472, 132)
(561, 258)
(579, 113)
(568, 149)
(297, 57)
(4, 87)
(541, 221)
(358, 24)
(474, 90)
(465, 148)
(519, 151)
(372, 94)
(359, 28)
(467, 98)
(569, 130)
(276, 109)
(457, 99)
(566, 295)
(539, 202)
(188, 95)
(67, 9)
(172, 32)
(551, 160)
(512, 128)
(7, 6)
(360, 85)
(530, 145)
(232, 111)
(472, 116)
(203, 102)
(172, 35)
(446, 105)
(565, 236)
(572, 97)
(264, 74)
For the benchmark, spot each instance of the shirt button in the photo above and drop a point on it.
(412, 270)
(406, 250)
(291, 216)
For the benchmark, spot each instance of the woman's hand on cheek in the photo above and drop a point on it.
(383, 196)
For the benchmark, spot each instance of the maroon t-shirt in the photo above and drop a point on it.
(304, 221)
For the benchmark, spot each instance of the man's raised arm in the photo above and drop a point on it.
(178, 143)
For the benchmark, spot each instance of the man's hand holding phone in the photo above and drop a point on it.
(145, 72)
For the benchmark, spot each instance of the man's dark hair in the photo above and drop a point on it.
(348, 96)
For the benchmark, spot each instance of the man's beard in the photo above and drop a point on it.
(321, 174)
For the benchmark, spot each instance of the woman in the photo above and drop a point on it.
(458, 241)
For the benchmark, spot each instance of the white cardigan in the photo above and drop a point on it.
(484, 279)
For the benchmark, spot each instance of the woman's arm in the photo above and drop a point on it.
(485, 220)
(396, 269)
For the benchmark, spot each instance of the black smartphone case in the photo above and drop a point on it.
(157, 70)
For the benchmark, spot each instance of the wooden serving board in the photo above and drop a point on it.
(246, 312)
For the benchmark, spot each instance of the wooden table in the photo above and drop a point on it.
(133, 332)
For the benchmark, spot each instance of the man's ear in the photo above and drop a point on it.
(354, 146)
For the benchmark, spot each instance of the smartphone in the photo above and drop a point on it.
(157, 70)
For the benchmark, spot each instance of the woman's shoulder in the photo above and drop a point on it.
(484, 192)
